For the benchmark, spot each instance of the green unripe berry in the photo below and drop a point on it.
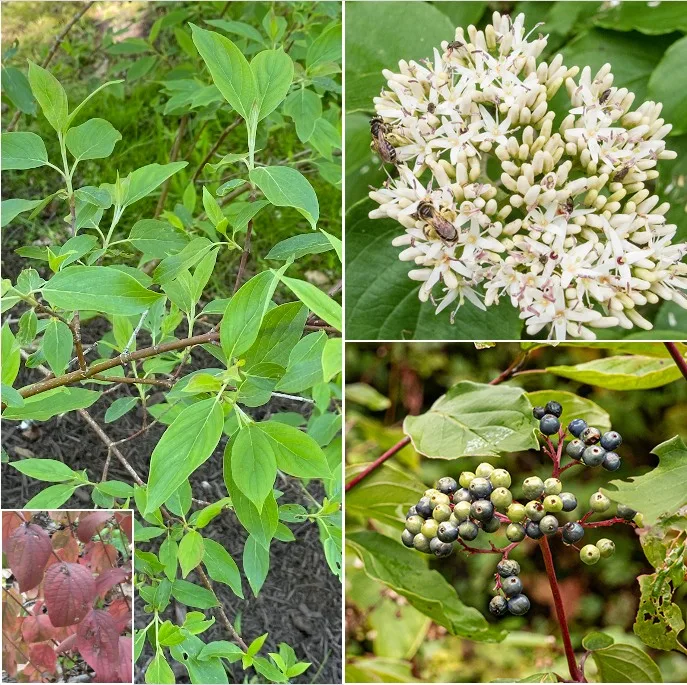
(421, 543)
(500, 478)
(438, 498)
(590, 554)
(516, 512)
(599, 503)
(461, 511)
(533, 487)
(484, 470)
(466, 478)
(552, 503)
(552, 486)
(442, 512)
(606, 547)
(501, 498)
(468, 530)
(430, 492)
(491, 526)
(549, 525)
(429, 528)
(535, 510)
(515, 532)
(414, 524)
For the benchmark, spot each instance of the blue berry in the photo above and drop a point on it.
(411, 512)
(549, 525)
(512, 585)
(549, 425)
(462, 495)
(590, 435)
(447, 532)
(569, 501)
(491, 525)
(424, 508)
(519, 605)
(554, 408)
(482, 510)
(508, 567)
(611, 440)
(498, 605)
(407, 538)
(468, 530)
(593, 455)
(447, 485)
(533, 531)
(576, 426)
(611, 462)
(480, 488)
(439, 548)
(539, 413)
(575, 448)
(572, 532)
(624, 512)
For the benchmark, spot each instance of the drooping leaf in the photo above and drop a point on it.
(22, 150)
(156, 239)
(191, 550)
(253, 464)
(314, 299)
(51, 497)
(159, 671)
(660, 492)
(28, 550)
(622, 663)
(50, 403)
(300, 245)
(221, 566)
(473, 419)
(325, 48)
(256, 563)
(69, 593)
(304, 369)
(188, 442)
(11, 357)
(57, 345)
(10, 209)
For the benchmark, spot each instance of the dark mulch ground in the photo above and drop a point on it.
(300, 602)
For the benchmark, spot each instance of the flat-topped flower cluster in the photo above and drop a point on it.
(558, 220)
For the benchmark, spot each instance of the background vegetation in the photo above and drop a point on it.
(390, 641)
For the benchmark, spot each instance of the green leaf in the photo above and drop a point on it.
(10, 209)
(473, 419)
(191, 550)
(94, 139)
(221, 566)
(378, 36)
(156, 239)
(379, 670)
(298, 246)
(119, 407)
(626, 664)
(332, 358)
(273, 74)
(212, 209)
(22, 150)
(632, 372)
(253, 464)
(641, 16)
(51, 403)
(366, 396)
(466, 13)
(82, 287)
(304, 369)
(325, 48)
(325, 138)
(139, 642)
(229, 69)
(385, 495)
(382, 302)
(51, 96)
(668, 83)
(11, 356)
(116, 488)
(188, 442)
(141, 182)
(168, 555)
(16, 86)
(540, 678)
(405, 573)
(596, 640)
(159, 671)
(49, 470)
(244, 314)
(661, 492)
(209, 671)
(193, 596)
(256, 563)
(305, 108)
(659, 620)
(318, 302)
(287, 187)
(10, 396)
(259, 383)
(170, 267)
(239, 28)
(296, 452)
(573, 405)
(52, 497)
(57, 345)
(255, 646)
(223, 649)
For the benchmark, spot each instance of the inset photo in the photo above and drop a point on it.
(516, 512)
(516, 172)
(67, 596)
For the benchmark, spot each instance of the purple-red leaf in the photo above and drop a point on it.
(90, 524)
(69, 593)
(28, 550)
(97, 640)
(108, 579)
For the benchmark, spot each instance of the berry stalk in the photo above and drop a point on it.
(575, 672)
(377, 462)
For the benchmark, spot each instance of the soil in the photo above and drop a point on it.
(300, 602)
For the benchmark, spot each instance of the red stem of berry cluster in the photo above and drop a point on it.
(575, 672)
(503, 551)
(607, 522)
(679, 360)
(377, 462)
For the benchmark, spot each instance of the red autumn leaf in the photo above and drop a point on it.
(126, 666)
(99, 557)
(121, 613)
(9, 658)
(69, 593)
(42, 656)
(97, 640)
(68, 645)
(126, 523)
(108, 579)
(38, 629)
(90, 524)
(10, 521)
(28, 550)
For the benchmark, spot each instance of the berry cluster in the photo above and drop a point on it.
(512, 601)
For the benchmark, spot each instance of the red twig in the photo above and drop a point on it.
(607, 522)
(570, 465)
(510, 371)
(679, 360)
(503, 551)
(377, 462)
(575, 672)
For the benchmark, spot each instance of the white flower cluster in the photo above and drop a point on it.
(495, 202)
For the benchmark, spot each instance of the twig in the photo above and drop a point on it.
(215, 147)
(607, 522)
(134, 333)
(679, 360)
(51, 54)
(132, 381)
(511, 370)
(172, 158)
(246, 251)
(377, 463)
(503, 551)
